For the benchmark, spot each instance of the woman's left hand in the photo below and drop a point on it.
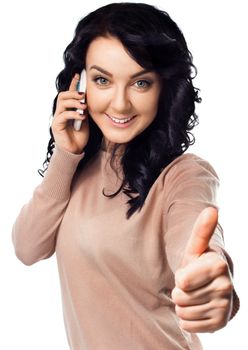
(204, 288)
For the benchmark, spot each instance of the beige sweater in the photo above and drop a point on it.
(116, 274)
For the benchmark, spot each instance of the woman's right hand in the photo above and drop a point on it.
(65, 135)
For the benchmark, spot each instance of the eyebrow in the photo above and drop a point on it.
(143, 71)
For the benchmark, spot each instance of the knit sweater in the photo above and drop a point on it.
(117, 274)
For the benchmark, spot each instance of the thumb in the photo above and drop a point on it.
(202, 232)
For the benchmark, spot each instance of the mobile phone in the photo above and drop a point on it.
(81, 88)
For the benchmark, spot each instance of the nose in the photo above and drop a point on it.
(120, 101)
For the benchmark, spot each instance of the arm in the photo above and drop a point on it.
(34, 231)
(192, 187)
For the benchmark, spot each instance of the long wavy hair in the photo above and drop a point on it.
(156, 43)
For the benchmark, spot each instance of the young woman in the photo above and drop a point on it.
(132, 219)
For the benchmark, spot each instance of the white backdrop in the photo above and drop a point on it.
(34, 35)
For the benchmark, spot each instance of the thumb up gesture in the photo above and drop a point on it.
(203, 291)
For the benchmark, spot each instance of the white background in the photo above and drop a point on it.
(34, 35)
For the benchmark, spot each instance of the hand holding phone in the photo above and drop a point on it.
(81, 88)
(70, 110)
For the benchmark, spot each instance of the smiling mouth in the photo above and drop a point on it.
(120, 121)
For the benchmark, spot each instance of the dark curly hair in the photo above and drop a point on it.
(156, 43)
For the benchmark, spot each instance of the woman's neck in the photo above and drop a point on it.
(108, 146)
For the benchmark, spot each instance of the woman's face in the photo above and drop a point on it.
(122, 99)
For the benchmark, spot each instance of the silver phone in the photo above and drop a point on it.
(81, 88)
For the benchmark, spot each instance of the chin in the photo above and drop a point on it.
(119, 140)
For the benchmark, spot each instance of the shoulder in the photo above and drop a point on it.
(187, 167)
(188, 179)
(188, 162)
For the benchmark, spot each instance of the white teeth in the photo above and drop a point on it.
(120, 121)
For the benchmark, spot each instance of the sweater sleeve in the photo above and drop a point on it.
(34, 231)
(192, 186)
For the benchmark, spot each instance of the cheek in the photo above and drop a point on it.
(148, 103)
(149, 107)
(95, 102)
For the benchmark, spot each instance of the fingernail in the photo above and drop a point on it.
(82, 101)
(80, 93)
(81, 111)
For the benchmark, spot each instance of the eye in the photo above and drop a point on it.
(100, 80)
(143, 83)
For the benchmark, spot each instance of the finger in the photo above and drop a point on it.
(74, 82)
(61, 122)
(201, 234)
(216, 318)
(200, 326)
(197, 297)
(66, 95)
(196, 312)
(201, 271)
(219, 289)
(70, 104)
